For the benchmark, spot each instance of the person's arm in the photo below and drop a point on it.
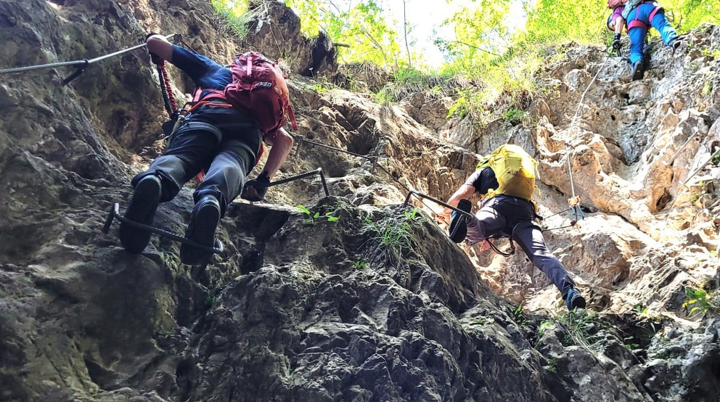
(194, 65)
(619, 24)
(464, 192)
(157, 44)
(281, 143)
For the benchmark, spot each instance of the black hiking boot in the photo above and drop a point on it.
(143, 204)
(638, 70)
(573, 299)
(201, 229)
(458, 223)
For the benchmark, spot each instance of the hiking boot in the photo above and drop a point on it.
(676, 41)
(638, 69)
(201, 229)
(458, 223)
(573, 299)
(143, 204)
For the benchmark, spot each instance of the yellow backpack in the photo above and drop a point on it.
(515, 171)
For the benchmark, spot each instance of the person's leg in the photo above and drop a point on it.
(227, 174)
(187, 154)
(667, 32)
(223, 182)
(531, 240)
(183, 159)
(637, 42)
(486, 223)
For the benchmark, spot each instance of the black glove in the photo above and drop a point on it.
(260, 186)
(153, 57)
(616, 45)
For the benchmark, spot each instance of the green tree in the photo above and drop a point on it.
(359, 26)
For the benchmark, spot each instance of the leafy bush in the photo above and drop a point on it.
(699, 301)
(392, 234)
(235, 13)
(514, 116)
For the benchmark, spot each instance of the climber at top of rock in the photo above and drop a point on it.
(214, 136)
(507, 183)
(641, 18)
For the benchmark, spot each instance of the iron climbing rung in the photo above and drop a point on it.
(115, 214)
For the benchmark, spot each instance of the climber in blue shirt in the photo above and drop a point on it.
(214, 137)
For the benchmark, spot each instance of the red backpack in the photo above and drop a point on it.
(258, 87)
(613, 4)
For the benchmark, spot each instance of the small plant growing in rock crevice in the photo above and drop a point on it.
(699, 301)
(315, 217)
(360, 264)
(514, 116)
(393, 235)
(517, 315)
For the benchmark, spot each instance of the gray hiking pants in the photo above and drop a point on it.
(499, 216)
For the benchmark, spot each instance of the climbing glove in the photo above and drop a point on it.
(616, 45)
(260, 184)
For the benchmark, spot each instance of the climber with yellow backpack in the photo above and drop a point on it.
(506, 181)
(234, 110)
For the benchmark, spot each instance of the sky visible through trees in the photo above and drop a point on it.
(435, 35)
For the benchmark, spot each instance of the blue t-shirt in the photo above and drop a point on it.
(208, 74)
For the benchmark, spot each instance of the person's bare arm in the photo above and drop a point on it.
(619, 24)
(465, 191)
(281, 144)
(160, 46)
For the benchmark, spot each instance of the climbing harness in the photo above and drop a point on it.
(636, 23)
(80, 65)
(218, 248)
(467, 216)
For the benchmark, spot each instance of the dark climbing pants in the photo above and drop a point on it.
(499, 216)
(227, 160)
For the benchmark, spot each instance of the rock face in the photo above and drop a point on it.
(378, 305)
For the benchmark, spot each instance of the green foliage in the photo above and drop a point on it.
(715, 160)
(314, 217)
(392, 234)
(685, 15)
(556, 21)
(640, 309)
(707, 88)
(210, 300)
(514, 116)
(517, 315)
(629, 343)
(359, 24)
(699, 301)
(360, 264)
(235, 13)
(552, 365)
(580, 327)
(384, 96)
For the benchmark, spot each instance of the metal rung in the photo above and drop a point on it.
(115, 214)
